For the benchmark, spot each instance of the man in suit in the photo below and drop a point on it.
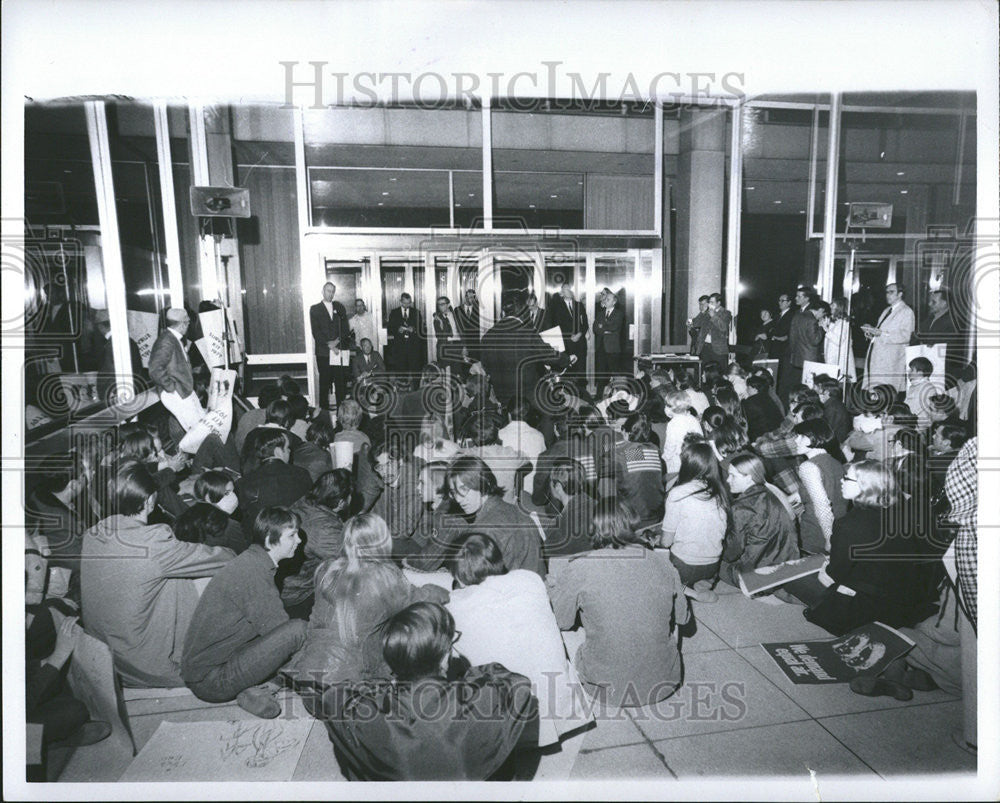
(467, 317)
(570, 316)
(404, 330)
(697, 323)
(107, 376)
(713, 336)
(805, 342)
(367, 363)
(536, 314)
(609, 339)
(886, 361)
(448, 337)
(170, 369)
(778, 348)
(941, 329)
(514, 355)
(330, 331)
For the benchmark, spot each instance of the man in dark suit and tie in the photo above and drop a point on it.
(609, 340)
(367, 362)
(536, 314)
(407, 355)
(330, 331)
(942, 329)
(805, 342)
(170, 369)
(467, 317)
(571, 317)
(448, 337)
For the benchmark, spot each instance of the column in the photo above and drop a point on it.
(699, 193)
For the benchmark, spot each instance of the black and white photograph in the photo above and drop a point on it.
(508, 400)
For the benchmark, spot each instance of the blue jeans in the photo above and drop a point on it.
(252, 664)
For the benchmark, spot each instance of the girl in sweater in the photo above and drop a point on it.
(696, 520)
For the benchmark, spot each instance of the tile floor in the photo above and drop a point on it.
(736, 715)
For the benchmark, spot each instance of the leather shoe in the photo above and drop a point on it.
(259, 701)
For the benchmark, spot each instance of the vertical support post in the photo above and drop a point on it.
(302, 209)
(111, 252)
(735, 217)
(487, 166)
(171, 237)
(658, 168)
(830, 210)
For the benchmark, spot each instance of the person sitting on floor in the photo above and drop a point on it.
(696, 520)
(273, 483)
(380, 730)
(681, 424)
(875, 572)
(569, 532)
(349, 416)
(240, 634)
(506, 618)
(313, 454)
(761, 413)
(630, 656)
(354, 595)
(764, 532)
(136, 581)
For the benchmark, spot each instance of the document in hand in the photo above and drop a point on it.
(554, 338)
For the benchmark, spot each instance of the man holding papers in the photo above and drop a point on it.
(570, 316)
(330, 330)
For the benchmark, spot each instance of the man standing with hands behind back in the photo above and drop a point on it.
(404, 329)
(805, 342)
(328, 321)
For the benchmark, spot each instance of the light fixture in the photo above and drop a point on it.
(553, 196)
(472, 195)
(457, 204)
(903, 192)
(751, 188)
(777, 202)
(531, 206)
(393, 179)
(381, 204)
(385, 193)
(901, 173)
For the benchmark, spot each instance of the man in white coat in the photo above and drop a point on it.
(886, 363)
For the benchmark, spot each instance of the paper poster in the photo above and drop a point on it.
(554, 338)
(234, 750)
(934, 353)
(340, 357)
(868, 650)
(219, 417)
(213, 342)
(812, 369)
(143, 328)
(767, 577)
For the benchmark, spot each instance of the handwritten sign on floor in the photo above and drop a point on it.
(234, 750)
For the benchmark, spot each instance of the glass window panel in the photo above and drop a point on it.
(774, 252)
(573, 165)
(391, 167)
(69, 367)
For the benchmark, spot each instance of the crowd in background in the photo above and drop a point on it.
(573, 531)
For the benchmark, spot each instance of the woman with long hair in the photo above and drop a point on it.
(629, 657)
(354, 595)
(875, 572)
(820, 476)
(764, 532)
(696, 520)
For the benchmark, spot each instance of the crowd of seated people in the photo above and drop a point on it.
(492, 556)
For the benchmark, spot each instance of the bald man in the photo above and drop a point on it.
(170, 369)
(330, 331)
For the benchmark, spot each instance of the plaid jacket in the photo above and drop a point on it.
(961, 487)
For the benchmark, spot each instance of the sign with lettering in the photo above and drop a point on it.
(143, 328)
(868, 650)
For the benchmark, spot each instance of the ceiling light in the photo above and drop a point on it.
(393, 179)
(472, 195)
(901, 173)
(553, 196)
(751, 188)
(457, 204)
(802, 211)
(385, 193)
(580, 183)
(531, 206)
(777, 202)
(381, 204)
(903, 192)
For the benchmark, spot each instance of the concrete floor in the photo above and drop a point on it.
(736, 716)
